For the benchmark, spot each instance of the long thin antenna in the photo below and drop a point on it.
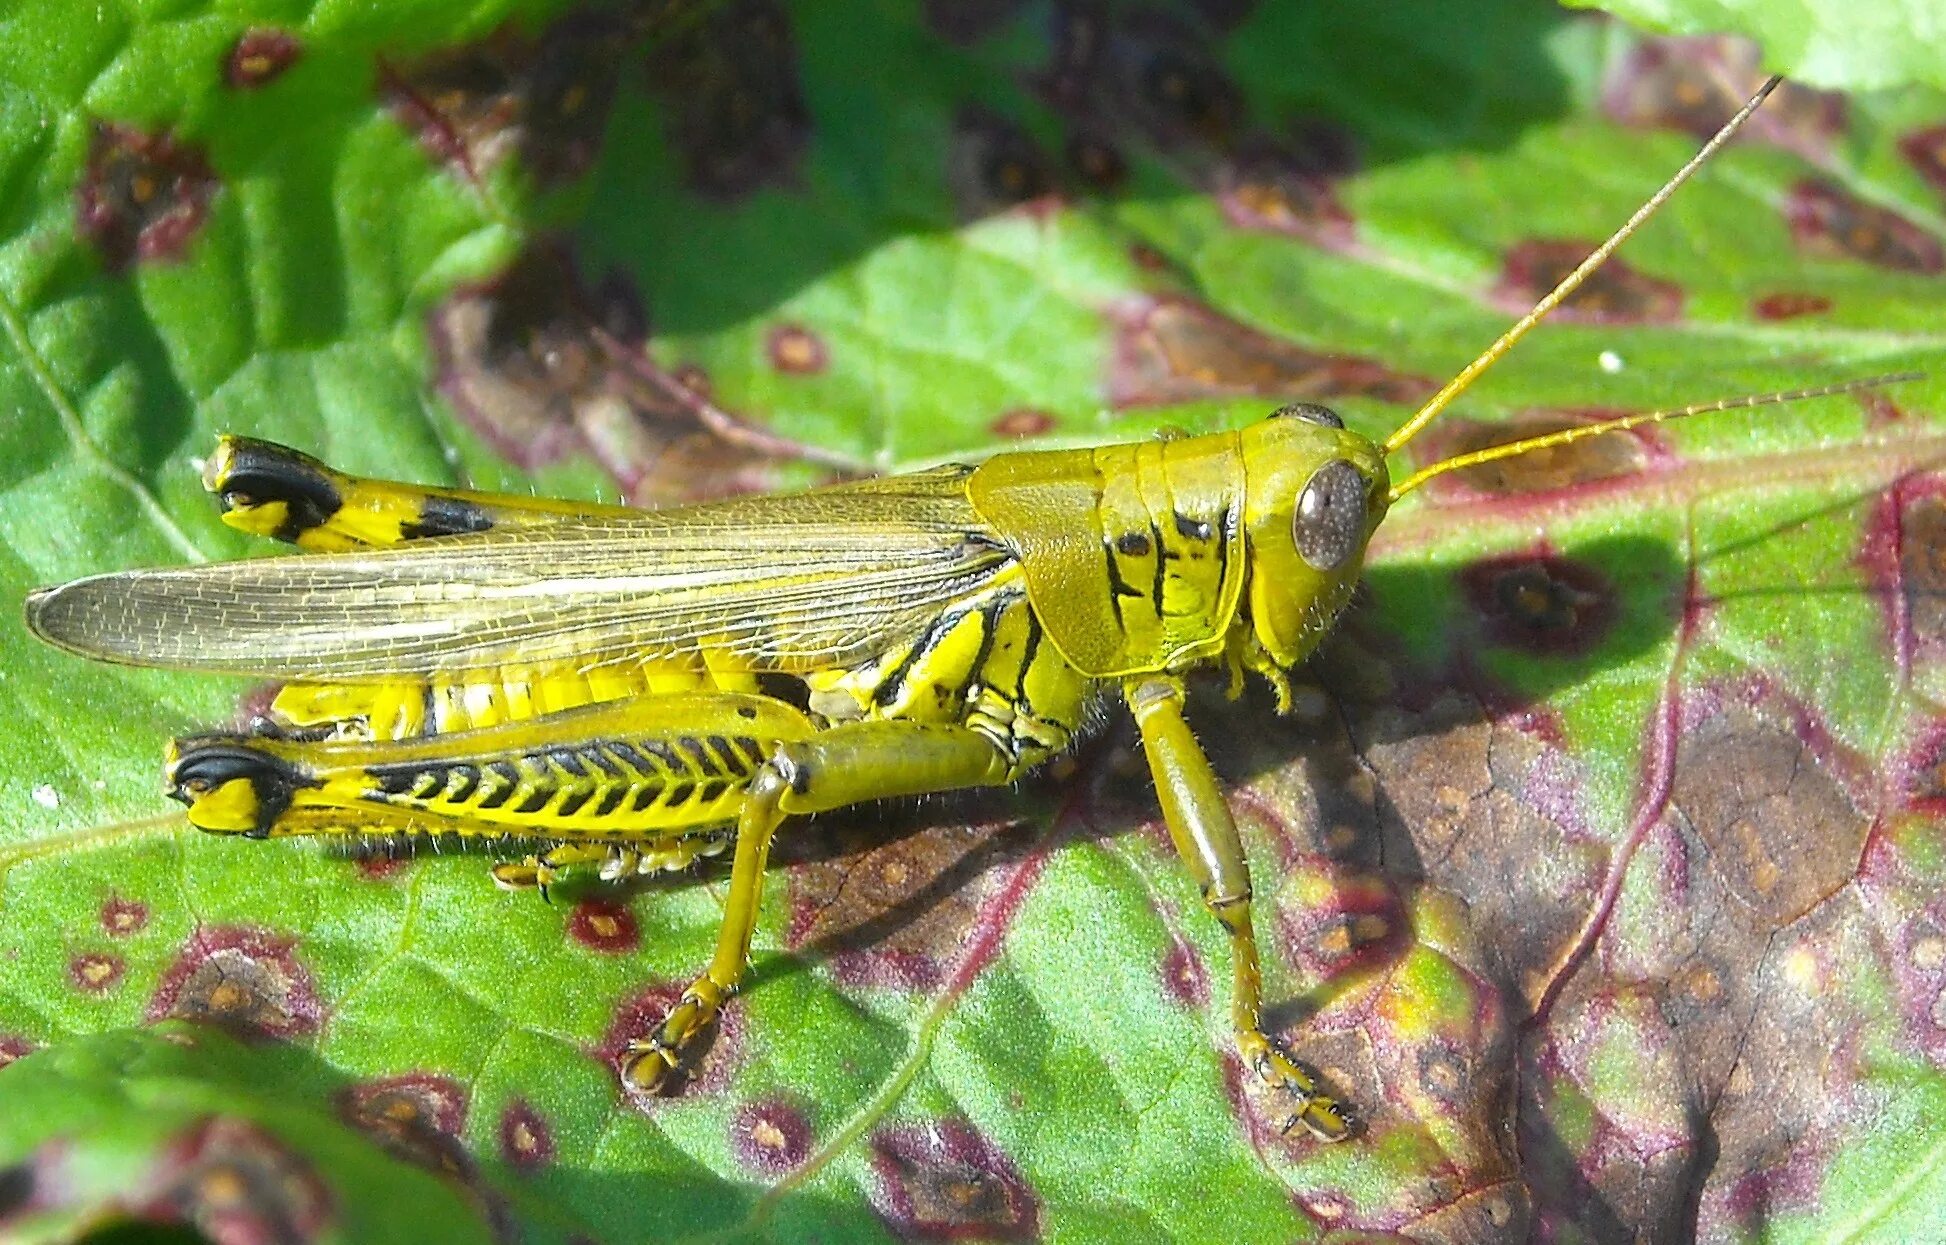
(1471, 372)
(1568, 436)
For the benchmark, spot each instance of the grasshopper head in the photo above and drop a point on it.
(1315, 493)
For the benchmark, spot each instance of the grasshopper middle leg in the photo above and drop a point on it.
(1206, 837)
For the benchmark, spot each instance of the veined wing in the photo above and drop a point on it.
(784, 583)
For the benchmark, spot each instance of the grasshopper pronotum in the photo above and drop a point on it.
(604, 678)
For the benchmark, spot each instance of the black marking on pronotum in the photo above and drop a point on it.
(1134, 544)
(1191, 529)
(446, 516)
(1224, 523)
(209, 762)
(1117, 586)
(1161, 570)
(261, 472)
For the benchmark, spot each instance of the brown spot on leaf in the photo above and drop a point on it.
(603, 926)
(1615, 294)
(1541, 602)
(1619, 455)
(1924, 772)
(122, 917)
(14, 1047)
(244, 979)
(1360, 924)
(730, 86)
(1925, 151)
(526, 1141)
(142, 196)
(1170, 350)
(948, 1182)
(1771, 797)
(771, 1138)
(97, 972)
(1184, 979)
(417, 1117)
(1288, 188)
(259, 57)
(545, 98)
(707, 1064)
(796, 350)
(541, 367)
(1098, 162)
(993, 163)
(237, 1184)
(898, 913)
(1696, 83)
(1829, 221)
(1022, 421)
(1789, 305)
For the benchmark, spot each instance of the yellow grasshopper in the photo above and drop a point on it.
(644, 688)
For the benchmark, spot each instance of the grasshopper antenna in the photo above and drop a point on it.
(1570, 283)
(1568, 436)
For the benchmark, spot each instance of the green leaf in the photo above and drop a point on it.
(181, 1125)
(1840, 44)
(1598, 864)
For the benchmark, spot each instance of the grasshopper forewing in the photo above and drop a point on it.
(608, 679)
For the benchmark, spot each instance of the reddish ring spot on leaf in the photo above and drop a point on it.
(1170, 350)
(1184, 979)
(1789, 305)
(796, 350)
(259, 57)
(948, 1182)
(1361, 924)
(13, 1047)
(96, 973)
(1615, 294)
(526, 1141)
(770, 1138)
(1097, 162)
(143, 195)
(1922, 772)
(1541, 602)
(122, 917)
(993, 164)
(417, 1117)
(1022, 421)
(1827, 220)
(706, 1065)
(1925, 151)
(603, 926)
(245, 979)
(730, 87)
(237, 1184)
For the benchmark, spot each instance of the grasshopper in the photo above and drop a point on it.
(643, 688)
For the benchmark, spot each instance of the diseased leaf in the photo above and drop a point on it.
(180, 1126)
(1598, 864)
(1840, 44)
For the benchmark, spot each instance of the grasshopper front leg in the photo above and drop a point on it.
(848, 764)
(1206, 837)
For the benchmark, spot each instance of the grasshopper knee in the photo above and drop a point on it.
(231, 787)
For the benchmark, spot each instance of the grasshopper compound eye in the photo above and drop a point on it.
(1329, 524)
(1310, 413)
